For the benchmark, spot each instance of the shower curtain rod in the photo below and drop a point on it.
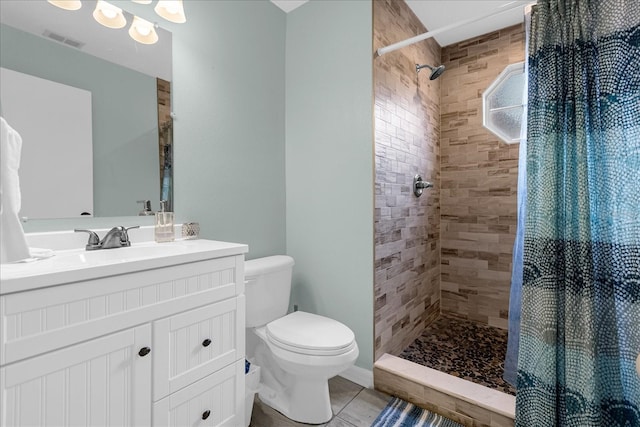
(429, 34)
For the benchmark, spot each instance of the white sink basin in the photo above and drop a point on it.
(76, 265)
(78, 259)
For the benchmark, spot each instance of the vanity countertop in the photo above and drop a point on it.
(68, 266)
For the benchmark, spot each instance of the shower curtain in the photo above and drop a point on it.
(580, 320)
(515, 296)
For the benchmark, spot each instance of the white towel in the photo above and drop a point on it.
(13, 245)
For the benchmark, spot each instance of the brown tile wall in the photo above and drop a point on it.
(407, 228)
(478, 182)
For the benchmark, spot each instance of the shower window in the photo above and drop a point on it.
(503, 103)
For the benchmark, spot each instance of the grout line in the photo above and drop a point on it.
(345, 406)
(345, 421)
(349, 402)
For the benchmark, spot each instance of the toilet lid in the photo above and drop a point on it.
(310, 333)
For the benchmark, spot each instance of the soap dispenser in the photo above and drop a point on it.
(164, 231)
(146, 208)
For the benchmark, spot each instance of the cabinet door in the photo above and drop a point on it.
(103, 382)
(216, 400)
(196, 343)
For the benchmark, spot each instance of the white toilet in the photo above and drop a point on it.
(297, 352)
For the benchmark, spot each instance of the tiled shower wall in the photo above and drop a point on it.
(478, 182)
(407, 228)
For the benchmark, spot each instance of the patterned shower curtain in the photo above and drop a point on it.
(580, 324)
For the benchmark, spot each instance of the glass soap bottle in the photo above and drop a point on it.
(164, 231)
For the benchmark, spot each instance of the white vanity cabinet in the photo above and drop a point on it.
(98, 382)
(148, 346)
(212, 401)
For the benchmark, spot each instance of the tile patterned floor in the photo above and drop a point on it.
(352, 405)
(464, 349)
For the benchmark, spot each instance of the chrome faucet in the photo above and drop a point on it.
(117, 237)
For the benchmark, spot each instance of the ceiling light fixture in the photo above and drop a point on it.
(142, 1)
(143, 31)
(67, 4)
(171, 10)
(109, 15)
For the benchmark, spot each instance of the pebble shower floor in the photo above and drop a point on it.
(463, 349)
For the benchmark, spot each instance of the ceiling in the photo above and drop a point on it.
(288, 5)
(436, 14)
(38, 16)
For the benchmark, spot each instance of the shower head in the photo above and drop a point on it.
(435, 71)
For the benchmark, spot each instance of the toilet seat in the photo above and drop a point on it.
(310, 334)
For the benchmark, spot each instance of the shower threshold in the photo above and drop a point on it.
(463, 401)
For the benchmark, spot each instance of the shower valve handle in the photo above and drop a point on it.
(419, 185)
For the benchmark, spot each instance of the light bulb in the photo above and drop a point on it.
(143, 31)
(171, 10)
(109, 15)
(67, 4)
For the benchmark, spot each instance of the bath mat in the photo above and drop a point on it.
(399, 413)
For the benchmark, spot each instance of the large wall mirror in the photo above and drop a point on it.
(125, 137)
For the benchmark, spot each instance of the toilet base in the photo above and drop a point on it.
(302, 396)
(297, 385)
(305, 402)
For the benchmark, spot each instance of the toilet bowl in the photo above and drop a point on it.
(297, 352)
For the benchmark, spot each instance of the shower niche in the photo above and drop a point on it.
(503, 103)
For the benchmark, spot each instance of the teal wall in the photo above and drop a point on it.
(125, 118)
(228, 96)
(247, 76)
(329, 163)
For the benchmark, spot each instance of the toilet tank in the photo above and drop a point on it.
(267, 288)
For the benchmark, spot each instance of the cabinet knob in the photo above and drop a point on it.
(206, 414)
(206, 342)
(144, 351)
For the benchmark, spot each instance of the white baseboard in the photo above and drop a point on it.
(360, 376)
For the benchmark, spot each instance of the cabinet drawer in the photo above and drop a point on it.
(42, 320)
(215, 400)
(191, 345)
